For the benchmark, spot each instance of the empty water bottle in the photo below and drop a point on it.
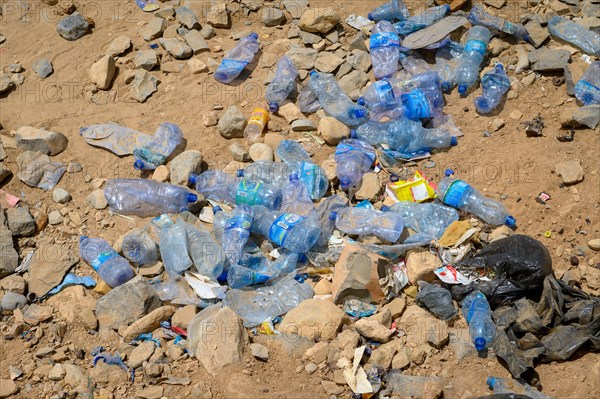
(472, 58)
(476, 311)
(460, 195)
(495, 84)
(334, 101)
(282, 85)
(308, 102)
(354, 158)
(429, 219)
(395, 9)
(256, 125)
(143, 197)
(300, 163)
(174, 248)
(139, 248)
(478, 16)
(276, 173)
(413, 64)
(205, 251)
(587, 89)
(509, 386)
(422, 20)
(447, 59)
(233, 231)
(296, 198)
(575, 34)
(384, 46)
(152, 155)
(365, 221)
(290, 231)
(237, 58)
(252, 273)
(112, 267)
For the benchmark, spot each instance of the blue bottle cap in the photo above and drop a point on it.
(357, 113)
(448, 172)
(453, 141)
(370, 16)
(491, 381)
(353, 133)
(344, 182)
(191, 197)
(138, 164)
(253, 35)
(314, 74)
(217, 209)
(192, 179)
(385, 208)
(273, 106)
(294, 177)
(462, 89)
(332, 215)
(239, 173)
(479, 343)
(510, 221)
(361, 101)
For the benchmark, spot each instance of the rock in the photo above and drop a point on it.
(372, 329)
(570, 171)
(355, 80)
(14, 284)
(358, 42)
(184, 165)
(421, 327)
(331, 388)
(310, 368)
(145, 59)
(61, 196)
(197, 66)
(97, 199)
(218, 16)
(10, 258)
(522, 59)
(15, 68)
(4, 173)
(320, 20)
(20, 221)
(594, 244)
(12, 300)
(239, 152)
(434, 33)
(8, 388)
(49, 265)
(153, 29)
(55, 218)
(317, 353)
(273, 140)
(30, 138)
(18, 79)
(197, 43)
(140, 354)
(295, 7)
(420, 264)
(6, 82)
(328, 62)
(369, 187)
(401, 360)
(546, 59)
(2, 151)
(537, 33)
(310, 38)
(75, 376)
(290, 112)
(153, 392)
(75, 306)
(43, 68)
(142, 86)
(384, 354)
(57, 373)
(183, 316)
(302, 57)
(207, 32)
(232, 123)
(119, 45)
(500, 232)
(495, 3)
(516, 115)
(497, 46)
(72, 27)
(260, 152)
(272, 16)
(260, 351)
(303, 125)
(360, 60)
(187, 17)
(161, 173)
(176, 48)
(126, 303)
(588, 115)
(313, 319)
(323, 287)
(102, 71)
(498, 123)
(35, 169)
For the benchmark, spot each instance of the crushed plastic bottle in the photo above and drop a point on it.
(150, 156)
(299, 162)
(495, 85)
(276, 173)
(354, 158)
(112, 267)
(575, 34)
(419, 21)
(587, 89)
(308, 102)
(447, 59)
(144, 197)
(139, 248)
(511, 386)
(205, 252)
(296, 198)
(472, 58)
(428, 219)
(414, 64)
(251, 272)
(365, 221)
(256, 124)
(395, 9)
(460, 195)
(478, 16)
(384, 47)
(293, 232)
(282, 85)
(237, 58)
(334, 101)
(233, 231)
(174, 248)
(476, 311)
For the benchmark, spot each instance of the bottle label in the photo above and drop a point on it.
(384, 91)
(246, 192)
(308, 174)
(240, 221)
(236, 65)
(259, 117)
(100, 259)
(587, 89)
(477, 46)
(417, 105)
(282, 226)
(455, 193)
(384, 39)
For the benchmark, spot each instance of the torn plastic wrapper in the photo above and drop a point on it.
(71, 280)
(437, 300)
(359, 22)
(449, 275)
(7, 200)
(356, 308)
(417, 189)
(118, 139)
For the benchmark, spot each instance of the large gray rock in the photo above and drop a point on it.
(126, 303)
(232, 123)
(187, 17)
(119, 45)
(320, 20)
(145, 59)
(328, 62)
(195, 40)
(184, 165)
(143, 85)
(43, 68)
(49, 265)
(30, 138)
(12, 300)
(434, 33)
(36, 170)
(20, 221)
(570, 171)
(588, 116)
(272, 16)
(217, 16)
(302, 57)
(546, 59)
(355, 80)
(176, 48)
(6, 82)
(73, 26)
(295, 7)
(153, 29)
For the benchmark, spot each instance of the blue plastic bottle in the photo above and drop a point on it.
(395, 9)
(233, 231)
(365, 221)
(167, 137)
(275, 173)
(384, 47)
(413, 64)
(575, 34)
(495, 85)
(282, 84)
(472, 58)
(478, 16)
(507, 386)
(447, 59)
(422, 20)
(112, 267)
(429, 219)
(587, 89)
(354, 158)
(334, 101)
(237, 58)
(251, 273)
(476, 311)
(139, 248)
(205, 252)
(300, 163)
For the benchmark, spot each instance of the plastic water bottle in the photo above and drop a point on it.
(266, 303)
(300, 163)
(478, 16)
(205, 251)
(282, 85)
(472, 57)
(219, 186)
(256, 125)
(233, 231)
(365, 221)
(296, 198)
(460, 195)
(422, 20)
(167, 137)
(174, 248)
(354, 158)
(447, 59)
(334, 101)
(237, 58)
(308, 102)
(293, 232)
(395, 9)
(495, 85)
(139, 248)
(112, 267)
(509, 386)
(587, 89)
(260, 272)
(275, 173)
(575, 34)
(476, 311)
(384, 47)
(143, 197)
(430, 219)
(413, 64)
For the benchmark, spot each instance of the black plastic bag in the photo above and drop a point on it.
(437, 300)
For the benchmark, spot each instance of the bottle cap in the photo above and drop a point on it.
(479, 343)
(357, 113)
(361, 101)
(138, 164)
(239, 173)
(192, 179)
(453, 141)
(332, 215)
(353, 133)
(448, 172)
(462, 89)
(294, 177)
(370, 16)
(510, 221)
(394, 178)
(344, 182)
(273, 106)
(491, 381)
(445, 86)
(217, 209)
(191, 197)
(385, 208)
(253, 35)
(314, 74)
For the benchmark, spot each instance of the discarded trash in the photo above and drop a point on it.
(150, 156)
(385, 49)
(394, 9)
(437, 300)
(419, 21)
(478, 16)
(472, 58)
(7, 200)
(233, 231)
(112, 267)
(296, 198)
(354, 158)
(587, 89)
(428, 220)
(362, 221)
(71, 280)
(449, 275)
(476, 311)
(359, 309)
(575, 34)
(534, 127)
(139, 248)
(256, 125)
(147, 5)
(417, 189)
(508, 386)
(237, 58)
(299, 162)
(495, 85)
(282, 85)
(118, 139)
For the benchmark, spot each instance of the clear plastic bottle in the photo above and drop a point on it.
(276, 173)
(299, 162)
(260, 272)
(384, 47)
(296, 198)
(334, 101)
(478, 16)
(205, 251)
(139, 248)
(429, 219)
(495, 84)
(233, 231)
(354, 158)
(460, 195)
(144, 197)
(422, 20)
(237, 58)
(112, 267)
(167, 137)
(447, 59)
(587, 89)
(308, 102)
(413, 64)
(282, 85)
(475, 301)
(292, 232)
(364, 221)
(472, 58)
(256, 124)
(510, 386)
(575, 34)
(395, 9)
(478, 315)
(174, 248)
